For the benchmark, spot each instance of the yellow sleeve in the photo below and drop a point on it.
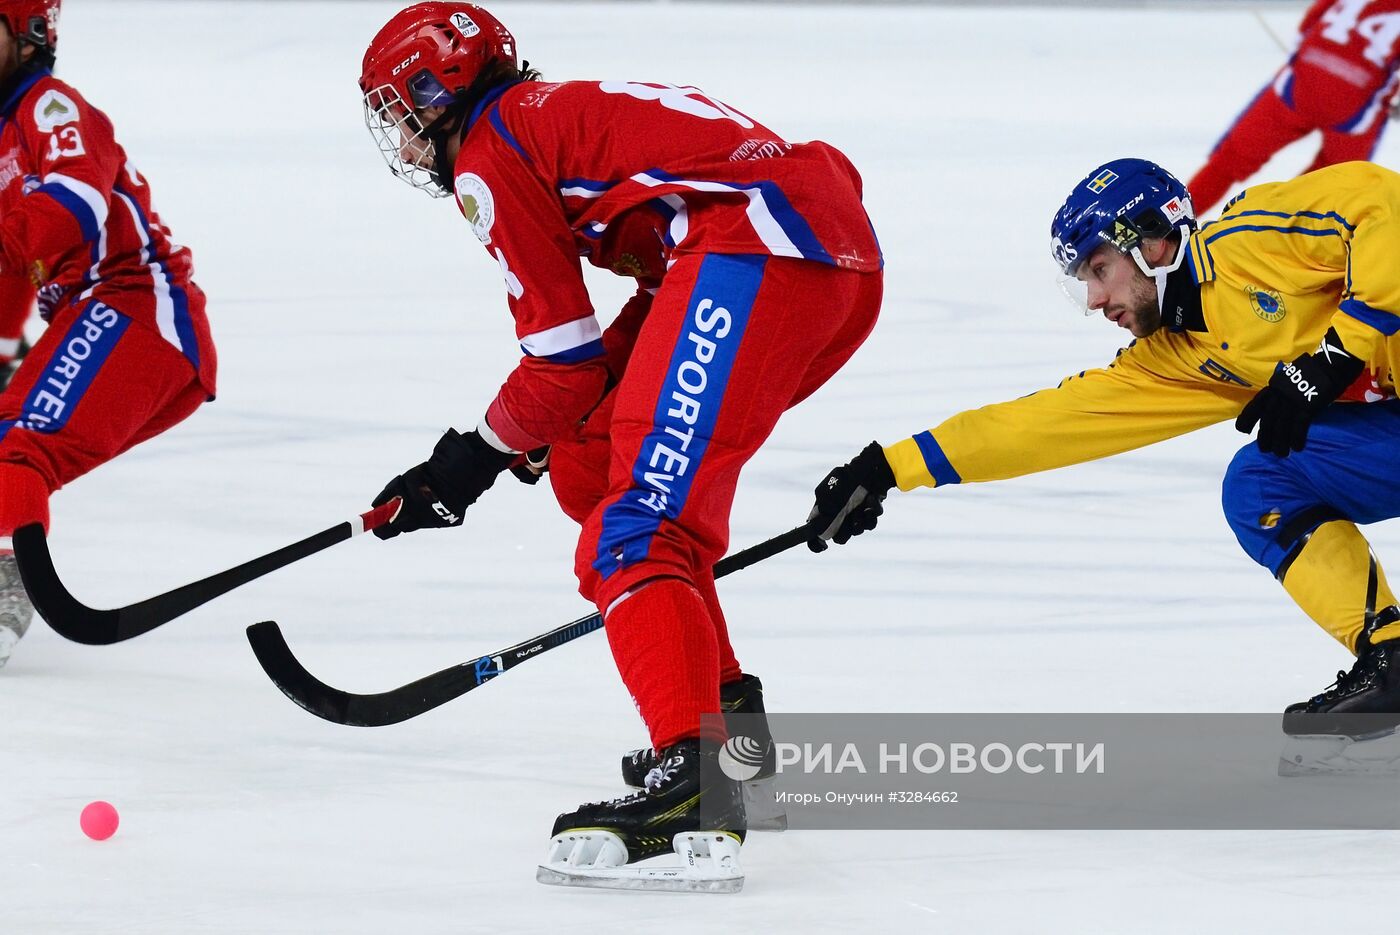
(1340, 226)
(1152, 392)
(1370, 307)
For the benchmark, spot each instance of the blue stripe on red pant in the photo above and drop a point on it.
(686, 410)
(70, 371)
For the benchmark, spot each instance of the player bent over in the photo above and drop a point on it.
(758, 276)
(127, 353)
(1285, 314)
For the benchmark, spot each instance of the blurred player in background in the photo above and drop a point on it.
(758, 275)
(1341, 80)
(127, 353)
(1284, 314)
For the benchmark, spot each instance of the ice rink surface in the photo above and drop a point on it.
(356, 319)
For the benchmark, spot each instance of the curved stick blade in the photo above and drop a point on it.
(342, 707)
(64, 613)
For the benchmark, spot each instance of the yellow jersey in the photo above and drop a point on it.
(1285, 262)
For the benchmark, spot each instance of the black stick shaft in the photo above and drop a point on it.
(424, 694)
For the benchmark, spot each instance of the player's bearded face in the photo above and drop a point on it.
(10, 53)
(1120, 290)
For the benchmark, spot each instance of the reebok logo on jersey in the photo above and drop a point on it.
(1295, 376)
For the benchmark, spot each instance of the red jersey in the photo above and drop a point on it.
(76, 218)
(629, 176)
(1358, 41)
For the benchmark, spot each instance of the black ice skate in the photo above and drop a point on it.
(703, 823)
(1371, 688)
(744, 696)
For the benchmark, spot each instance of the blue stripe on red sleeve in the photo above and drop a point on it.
(792, 223)
(87, 221)
(506, 135)
(574, 354)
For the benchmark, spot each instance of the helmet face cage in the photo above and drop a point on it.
(448, 45)
(1119, 203)
(399, 133)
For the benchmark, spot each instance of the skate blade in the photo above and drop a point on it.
(1335, 754)
(761, 809)
(597, 859)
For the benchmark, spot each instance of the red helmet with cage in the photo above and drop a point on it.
(426, 56)
(34, 22)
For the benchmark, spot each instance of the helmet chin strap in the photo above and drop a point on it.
(1159, 274)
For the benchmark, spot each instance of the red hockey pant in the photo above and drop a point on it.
(93, 386)
(729, 344)
(1312, 99)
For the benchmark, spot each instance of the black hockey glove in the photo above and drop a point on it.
(1296, 393)
(850, 498)
(437, 492)
(529, 467)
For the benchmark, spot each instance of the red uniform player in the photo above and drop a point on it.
(758, 276)
(127, 353)
(1341, 80)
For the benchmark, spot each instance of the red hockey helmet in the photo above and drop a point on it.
(426, 56)
(34, 22)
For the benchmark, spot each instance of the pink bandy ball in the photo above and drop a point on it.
(99, 820)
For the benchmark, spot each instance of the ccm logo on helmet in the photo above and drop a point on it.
(405, 63)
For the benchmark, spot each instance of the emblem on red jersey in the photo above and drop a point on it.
(54, 109)
(477, 203)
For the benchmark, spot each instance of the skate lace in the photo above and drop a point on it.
(615, 801)
(654, 778)
(1363, 672)
(662, 772)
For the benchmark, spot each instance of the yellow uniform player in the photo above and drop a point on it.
(1284, 313)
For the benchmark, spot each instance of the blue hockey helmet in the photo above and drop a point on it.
(1119, 203)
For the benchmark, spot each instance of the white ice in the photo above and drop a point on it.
(356, 319)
